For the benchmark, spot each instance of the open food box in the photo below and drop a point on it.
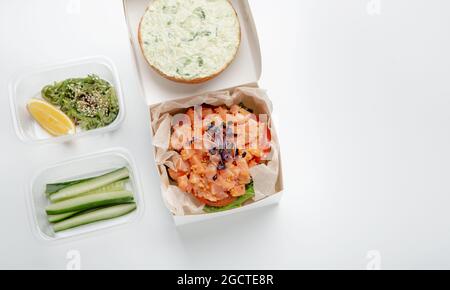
(238, 84)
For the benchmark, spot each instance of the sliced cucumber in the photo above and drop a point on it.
(95, 216)
(115, 186)
(89, 201)
(55, 187)
(59, 217)
(88, 185)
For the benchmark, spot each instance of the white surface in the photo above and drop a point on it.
(362, 102)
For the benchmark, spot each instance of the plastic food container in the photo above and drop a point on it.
(79, 168)
(28, 85)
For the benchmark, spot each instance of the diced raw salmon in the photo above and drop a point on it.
(235, 109)
(181, 137)
(215, 159)
(203, 168)
(238, 191)
(256, 152)
(213, 123)
(235, 170)
(244, 173)
(206, 111)
(211, 172)
(186, 154)
(174, 174)
(198, 169)
(248, 156)
(226, 183)
(222, 112)
(195, 179)
(191, 115)
(218, 191)
(180, 164)
(183, 183)
(252, 163)
(196, 158)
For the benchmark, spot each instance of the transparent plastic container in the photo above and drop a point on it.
(79, 168)
(28, 85)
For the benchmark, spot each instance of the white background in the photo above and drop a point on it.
(362, 101)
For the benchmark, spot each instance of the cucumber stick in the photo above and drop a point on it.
(55, 187)
(115, 186)
(89, 202)
(89, 185)
(59, 217)
(95, 216)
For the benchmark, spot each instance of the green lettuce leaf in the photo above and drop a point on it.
(250, 193)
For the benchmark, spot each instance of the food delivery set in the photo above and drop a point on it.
(214, 142)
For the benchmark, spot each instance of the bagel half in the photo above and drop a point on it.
(189, 41)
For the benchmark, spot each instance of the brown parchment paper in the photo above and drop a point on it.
(265, 177)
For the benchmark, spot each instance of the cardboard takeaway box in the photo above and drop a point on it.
(245, 71)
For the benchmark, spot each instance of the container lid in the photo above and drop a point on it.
(245, 69)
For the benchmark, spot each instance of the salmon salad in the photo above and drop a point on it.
(217, 147)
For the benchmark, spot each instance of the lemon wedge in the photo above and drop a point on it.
(51, 119)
